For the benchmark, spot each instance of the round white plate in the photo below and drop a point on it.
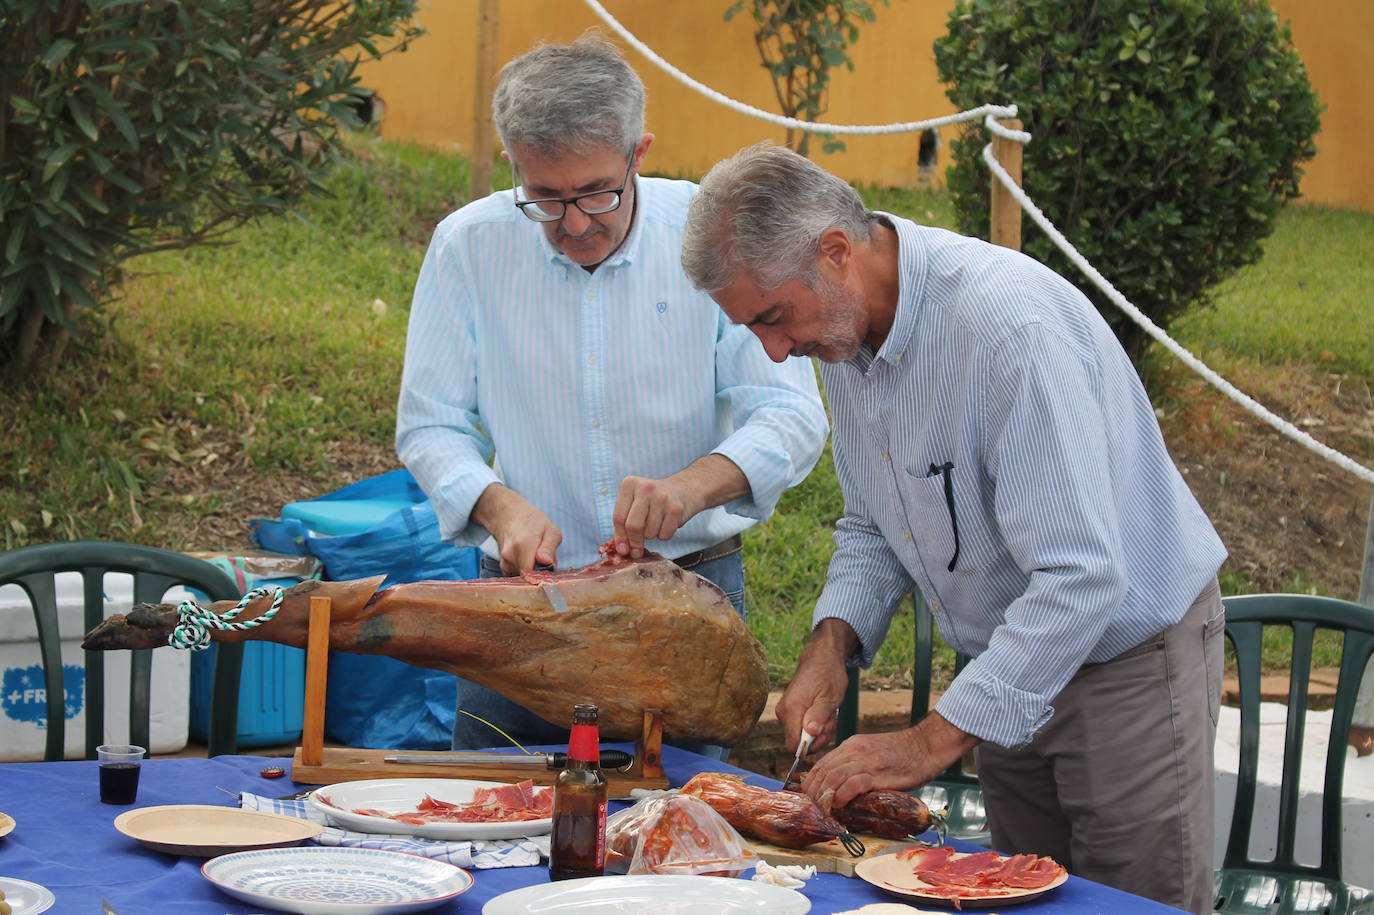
(650, 894)
(396, 795)
(203, 830)
(894, 875)
(26, 898)
(336, 881)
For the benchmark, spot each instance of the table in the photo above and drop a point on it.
(65, 840)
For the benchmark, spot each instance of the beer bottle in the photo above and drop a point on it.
(578, 845)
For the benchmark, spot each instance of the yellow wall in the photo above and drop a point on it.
(428, 91)
(1333, 36)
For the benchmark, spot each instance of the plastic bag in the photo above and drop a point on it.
(375, 701)
(677, 834)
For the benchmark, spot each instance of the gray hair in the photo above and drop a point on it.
(579, 98)
(761, 213)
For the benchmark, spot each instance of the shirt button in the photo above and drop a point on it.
(596, 424)
(906, 535)
(896, 357)
(605, 490)
(886, 456)
(591, 360)
(935, 608)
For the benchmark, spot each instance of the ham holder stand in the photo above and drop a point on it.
(316, 764)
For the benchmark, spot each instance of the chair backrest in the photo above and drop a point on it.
(154, 571)
(1247, 618)
(923, 672)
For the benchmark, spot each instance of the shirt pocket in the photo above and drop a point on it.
(934, 520)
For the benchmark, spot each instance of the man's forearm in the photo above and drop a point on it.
(712, 479)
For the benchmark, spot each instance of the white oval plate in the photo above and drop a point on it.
(203, 830)
(336, 881)
(26, 898)
(647, 894)
(396, 795)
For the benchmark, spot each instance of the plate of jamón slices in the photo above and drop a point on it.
(963, 880)
(438, 808)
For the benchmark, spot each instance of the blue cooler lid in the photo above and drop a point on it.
(344, 516)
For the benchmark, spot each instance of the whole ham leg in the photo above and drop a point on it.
(627, 635)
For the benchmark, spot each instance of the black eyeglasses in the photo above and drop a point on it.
(552, 209)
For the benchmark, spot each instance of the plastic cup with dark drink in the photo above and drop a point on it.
(119, 767)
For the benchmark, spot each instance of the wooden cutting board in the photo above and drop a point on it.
(827, 857)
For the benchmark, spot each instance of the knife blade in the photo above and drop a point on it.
(803, 744)
(610, 759)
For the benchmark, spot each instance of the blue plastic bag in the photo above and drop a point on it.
(375, 701)
(402, 544)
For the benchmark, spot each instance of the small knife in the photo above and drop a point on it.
(610, 759)
(803, 744)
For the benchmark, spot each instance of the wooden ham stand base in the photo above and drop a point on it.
(316, 764)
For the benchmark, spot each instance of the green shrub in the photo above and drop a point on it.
(130, 127)
(1166, 136)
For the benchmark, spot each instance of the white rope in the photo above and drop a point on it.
(1006, 111)
(1259, 410)
(990, 115)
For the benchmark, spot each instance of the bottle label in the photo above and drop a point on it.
(601, 834)
(583, 744)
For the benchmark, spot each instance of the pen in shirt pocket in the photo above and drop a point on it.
(946, 470)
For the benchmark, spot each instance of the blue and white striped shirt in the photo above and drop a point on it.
(1076, 536)
(576, 380)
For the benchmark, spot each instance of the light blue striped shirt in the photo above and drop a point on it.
(1077, 537)
(575, 380)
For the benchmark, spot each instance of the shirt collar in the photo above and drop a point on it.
(911, 264)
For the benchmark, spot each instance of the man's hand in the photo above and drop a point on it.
(813, 696)
(651, 509)
(524, 535)
(897, 760)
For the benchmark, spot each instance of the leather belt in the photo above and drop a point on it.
(727, 547)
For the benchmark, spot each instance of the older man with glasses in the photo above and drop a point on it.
(553, 329)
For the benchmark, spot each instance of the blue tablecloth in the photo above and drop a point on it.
(65, 840)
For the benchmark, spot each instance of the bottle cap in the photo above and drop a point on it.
(272, 772)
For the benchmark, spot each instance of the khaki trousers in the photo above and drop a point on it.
(1118, 786)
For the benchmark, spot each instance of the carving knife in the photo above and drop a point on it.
(803, 744)
(610, 759)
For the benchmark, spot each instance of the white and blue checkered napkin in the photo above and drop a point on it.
(465, 854)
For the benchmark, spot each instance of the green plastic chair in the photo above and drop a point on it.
(34, 569)
(1283, 885)
(956, 790)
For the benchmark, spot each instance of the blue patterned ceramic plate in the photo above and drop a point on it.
(336, 881)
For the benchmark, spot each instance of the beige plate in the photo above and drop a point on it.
(889, 873)
(204, 831)
(6, 824)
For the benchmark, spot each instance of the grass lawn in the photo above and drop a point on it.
(266, 354)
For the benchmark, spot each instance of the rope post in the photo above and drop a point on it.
(483, 142)
(1006, 212)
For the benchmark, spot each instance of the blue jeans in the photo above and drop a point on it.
(528, 728)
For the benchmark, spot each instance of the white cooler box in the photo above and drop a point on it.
(23, 709)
